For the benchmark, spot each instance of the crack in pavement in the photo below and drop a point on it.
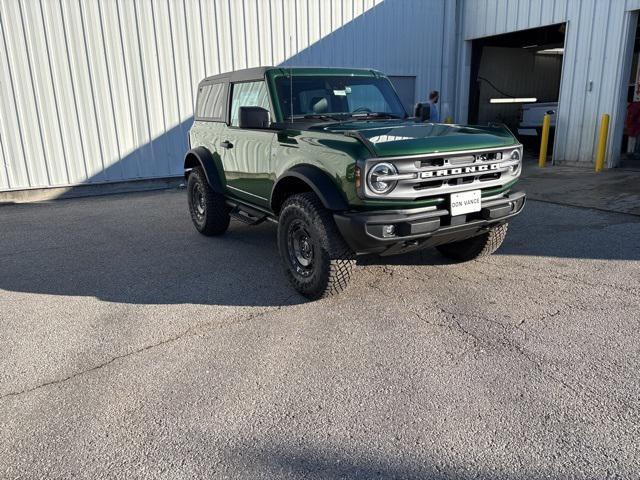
(189, 332)
(387, 273)
(564, 277)
(583, 392)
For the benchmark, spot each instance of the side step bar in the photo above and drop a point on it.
(247, 214)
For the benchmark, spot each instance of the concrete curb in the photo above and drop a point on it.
(76, 191)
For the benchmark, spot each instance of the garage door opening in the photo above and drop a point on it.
(515, 80)
(630, 154)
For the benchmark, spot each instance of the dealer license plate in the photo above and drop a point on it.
(465, 202)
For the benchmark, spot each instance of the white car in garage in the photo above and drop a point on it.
(531, 116)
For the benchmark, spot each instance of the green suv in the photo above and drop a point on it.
(331, 156)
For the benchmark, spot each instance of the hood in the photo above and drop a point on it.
(405, 137)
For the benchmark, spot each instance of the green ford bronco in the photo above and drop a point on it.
(331, 156)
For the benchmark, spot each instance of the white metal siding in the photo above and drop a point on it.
(102, 90)
(399, 37)
(483, 18)
(595, 47)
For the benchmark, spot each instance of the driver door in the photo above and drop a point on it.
(247, 151)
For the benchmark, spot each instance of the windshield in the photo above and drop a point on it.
(338, 97)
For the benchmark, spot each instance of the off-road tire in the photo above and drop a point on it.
(208, 209)
(475, 247)
(331, 258)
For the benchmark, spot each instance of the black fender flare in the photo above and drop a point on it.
(320, 182)
(201, 157)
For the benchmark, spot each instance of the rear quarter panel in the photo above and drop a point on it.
(207, 134)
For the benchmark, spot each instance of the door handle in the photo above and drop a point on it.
(226, 144)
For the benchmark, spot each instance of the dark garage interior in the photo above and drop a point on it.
(522, 68)
(630, 141)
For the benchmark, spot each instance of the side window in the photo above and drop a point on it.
(211, 102)
(248, 94)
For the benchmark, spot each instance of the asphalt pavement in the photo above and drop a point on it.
(133, 347)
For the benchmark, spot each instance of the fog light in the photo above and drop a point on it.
(388, 230)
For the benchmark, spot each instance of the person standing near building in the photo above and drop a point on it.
(428, 111)
(434, 113)
(632, 128)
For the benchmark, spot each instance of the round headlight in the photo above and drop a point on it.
(379, 185)
(515, 155)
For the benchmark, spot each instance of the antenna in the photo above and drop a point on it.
(291, 80)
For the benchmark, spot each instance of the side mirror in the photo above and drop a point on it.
(254, 117)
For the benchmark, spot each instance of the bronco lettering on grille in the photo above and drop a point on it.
(459, 171)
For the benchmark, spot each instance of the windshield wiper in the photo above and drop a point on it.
(323, 116)
(314, 116)
(374, 115)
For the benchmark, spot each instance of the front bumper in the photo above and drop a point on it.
(420, 228)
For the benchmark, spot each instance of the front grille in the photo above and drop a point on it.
(489, 176)
(426, 185)
(435, 174)
(457, 181)
(431, 162)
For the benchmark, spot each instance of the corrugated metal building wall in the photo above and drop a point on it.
(598, 39)
(98, 91)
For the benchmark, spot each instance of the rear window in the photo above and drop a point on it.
(211, 101)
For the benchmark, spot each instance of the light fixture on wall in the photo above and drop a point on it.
(551, 51)
(514, 100)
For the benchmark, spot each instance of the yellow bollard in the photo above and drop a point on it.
(544, 141)
(602, 142)
(449, 119)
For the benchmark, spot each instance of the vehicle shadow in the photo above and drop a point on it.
(286, 461)
(142, 249)
(138, 248)
(550, 230)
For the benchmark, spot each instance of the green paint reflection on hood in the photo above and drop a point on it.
(394, 137)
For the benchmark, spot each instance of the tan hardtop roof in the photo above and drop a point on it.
(257, 73)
